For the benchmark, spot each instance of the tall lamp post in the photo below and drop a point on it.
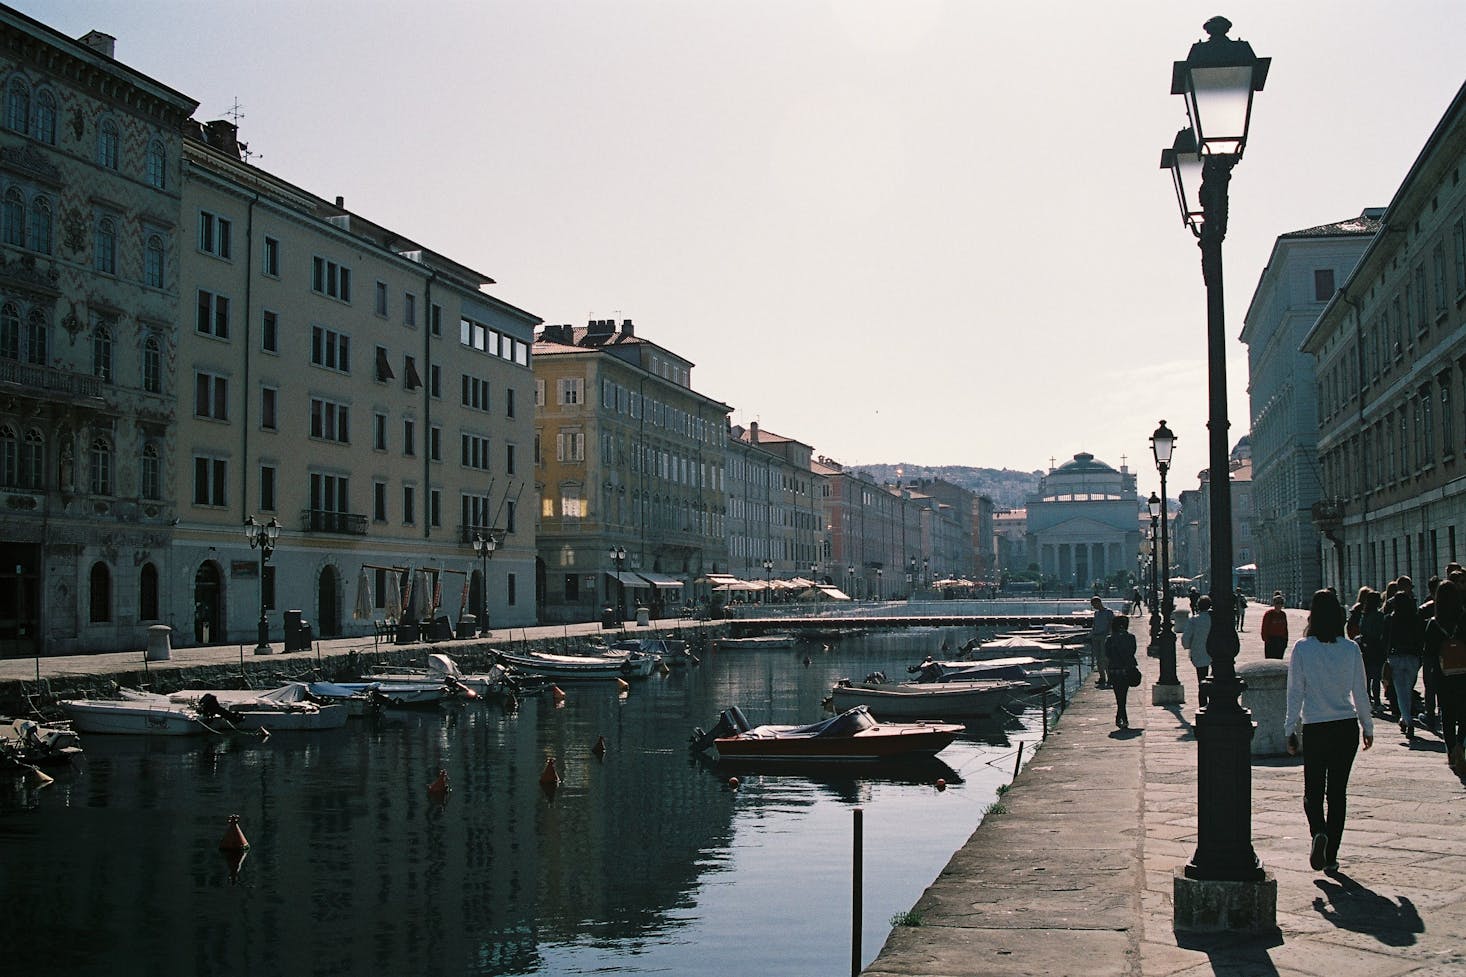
(1162, 444)
(850, 577)
(262, 538)
(880, 586)
(768, 579)
(484, 545)
(1218, 79)
(618, 557)
(1152, 540)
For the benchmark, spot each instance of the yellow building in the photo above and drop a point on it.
(628, 458)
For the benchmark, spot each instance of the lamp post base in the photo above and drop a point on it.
(1164, 694)
(1210, 905)
(264, 649)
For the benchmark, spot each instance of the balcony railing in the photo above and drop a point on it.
(324, 521)
(59, 384)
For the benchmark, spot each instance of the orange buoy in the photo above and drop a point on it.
(600, 748)
(622, 685)
(233, 861)
(439, 786)
(37, 778)
(732, 783)
(941, 783)
(558, 693)
(233, 839)
(549, 777)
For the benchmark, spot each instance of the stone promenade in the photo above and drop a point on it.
(1074, 876)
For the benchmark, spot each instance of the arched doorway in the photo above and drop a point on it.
(328, 603)
(208, 604)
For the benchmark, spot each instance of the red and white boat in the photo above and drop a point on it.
(853, 736)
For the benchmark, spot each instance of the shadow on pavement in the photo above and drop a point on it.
(1351, 906)
(1236, 953)
(1126, 734)
(1189, 733)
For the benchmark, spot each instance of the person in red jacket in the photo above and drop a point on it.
(1275, 629)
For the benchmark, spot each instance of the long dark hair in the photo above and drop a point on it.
(1325, 617)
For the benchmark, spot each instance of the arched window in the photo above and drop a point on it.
(153, 262)
(9, 457)
(101, 594)
(152, 480)
(33, 460)
(46, 118)
(18, 106)
(41, 236)
(35, 338)
(101, 467)
(152, 365)
(14, 217)
(102, 353)
(9, 332)
(108, 142)
(147, 593)
(157, 165)
(104, 246)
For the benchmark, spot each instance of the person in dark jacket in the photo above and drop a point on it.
(1404, 636)
(1449, 623)
(1372, 644)
(1120, 657)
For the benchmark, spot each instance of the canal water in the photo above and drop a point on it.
(644, 861)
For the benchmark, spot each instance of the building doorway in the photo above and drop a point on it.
(328, 603)
(208, 594)
(20, 616)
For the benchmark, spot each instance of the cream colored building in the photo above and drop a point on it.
(627, 454)
(774, 510)
(89, 297)
(364, 391)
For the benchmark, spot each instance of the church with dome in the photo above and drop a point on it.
(1083, 522)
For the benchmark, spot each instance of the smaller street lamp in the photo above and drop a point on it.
(768, 579)
(618, 557)
(484, 545)
(880, 588)
(850, 576)
(263, 538)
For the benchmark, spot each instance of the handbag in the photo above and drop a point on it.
(1133, 676)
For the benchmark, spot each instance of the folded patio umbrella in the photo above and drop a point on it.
(363, 609)
(394, 595)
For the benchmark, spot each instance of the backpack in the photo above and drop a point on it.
(1453, 652)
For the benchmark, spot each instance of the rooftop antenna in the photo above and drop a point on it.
(235, 113)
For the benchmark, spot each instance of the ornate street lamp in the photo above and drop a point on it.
(263, 538)
(1218, 79)
(484, 545)
(768, 579)
(850, 576)
(1152, 541)
(618, 557)
(1162, 444)
(880, 587)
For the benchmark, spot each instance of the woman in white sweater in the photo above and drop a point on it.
(1328, 703)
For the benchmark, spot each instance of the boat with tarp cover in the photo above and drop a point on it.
(853, 736)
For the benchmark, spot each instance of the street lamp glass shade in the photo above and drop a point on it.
(249, 529)
(1154, 505)
(1217, 79)
(1184, 164)
(272, 530)
(1162, 443)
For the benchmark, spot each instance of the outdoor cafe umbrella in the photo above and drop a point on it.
(363, 609)
(394, 595)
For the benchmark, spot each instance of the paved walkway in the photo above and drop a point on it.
(1075, 875)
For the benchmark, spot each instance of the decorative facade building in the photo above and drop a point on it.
(1301, 276)
(628, 455)
(363, 391)
(1390, 352)
(1082, 522)
(89, 304)
(773, 506)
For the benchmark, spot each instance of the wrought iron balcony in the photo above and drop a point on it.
(324, 521)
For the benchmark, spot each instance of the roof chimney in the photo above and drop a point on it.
(600, 328)
(104, 44)
(753, 432)
(223, 135)
(627, 329)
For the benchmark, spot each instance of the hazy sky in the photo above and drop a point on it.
(921, 231)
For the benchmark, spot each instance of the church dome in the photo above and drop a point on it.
(1084, 462)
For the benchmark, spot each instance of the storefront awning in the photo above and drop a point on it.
(659, 580)
(626, 577)
(835, 593)
(717, 579)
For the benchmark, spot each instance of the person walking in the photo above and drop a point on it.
(1099, 632)
(1274, 629)
(1328, 706)
(1372, 644)
(1429, 666)
(1239, 606)
(1193, 639)
(1449, 624)
(1404, 635)
(1120, 657)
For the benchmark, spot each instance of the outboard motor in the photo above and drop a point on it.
(730, 722)
(211, 708)
(875, 678)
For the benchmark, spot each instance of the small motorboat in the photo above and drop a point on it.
(927, 700)
(673, 652)
(134, 717)
(26, 743)
(288, 709)
(610, 665)
(770, 641)
(1020, 669)
(854, 736)
(498, 680)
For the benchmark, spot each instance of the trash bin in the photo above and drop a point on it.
(467, 626)
(440, 629)
(608, 617)
(297, 632)
(643, 617)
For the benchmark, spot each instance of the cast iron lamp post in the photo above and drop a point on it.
(1153, 541)
(850, 576)
(1162, 444)
(618, 557)
(262, 538)
(768, 577)
(880, 586)
(1217, 79)
(484, 545)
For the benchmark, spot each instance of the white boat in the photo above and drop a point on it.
(132, 717)
(1024, 669)
(441, 668)
(286, 709)
(927, 700)
(772, 641)
(628, 664)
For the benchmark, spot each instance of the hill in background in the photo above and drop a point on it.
(1007, 488)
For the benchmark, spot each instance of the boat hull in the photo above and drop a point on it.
(947, 700)
(131, 719)
(573, 667)
(880, 746)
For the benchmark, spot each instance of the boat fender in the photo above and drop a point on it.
(439, 787)
(622, 685)
(557, 693)
(37, 778)
(549, 777)
(732, 783)
(233, 839)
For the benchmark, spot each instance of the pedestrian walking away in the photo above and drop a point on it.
(1120, 657)
(1193, 638)
(1239, 607)
(1274, 629)
(1099, 631)
(1327, 716)
(1372, 644)
(1445, 644)
(1404, 635)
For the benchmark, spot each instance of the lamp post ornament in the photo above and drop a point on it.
(263, 538)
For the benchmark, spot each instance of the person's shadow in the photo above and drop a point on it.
(1128, 733)
(1351, 906)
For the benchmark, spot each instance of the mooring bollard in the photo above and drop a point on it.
(856, 883)
(1018, 763)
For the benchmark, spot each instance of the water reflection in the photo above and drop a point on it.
(643, 861)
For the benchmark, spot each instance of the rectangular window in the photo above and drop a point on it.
(1448, 423)
(509, 506)
(572, 587)
(381, 302)
(379, 432)
(210, 481)
(270, 332)
(435, 381)
(539, 393)
(330, 349)
(511, 594)
(570, 390)
(329, 421)
(475, 393)
(330, 279)
(1438, 262)
(570, 446)
(379, 502)
(411, 380)
(211, 396)
(270, 260)
(384, 366)
(213, 315)
(267, 488)
(509, 459)
(435, 508)
(1323, 284)
(509, 401)
(435, 443)
(409, 505)
(409, 309)
(1458, 242)
(214, 234)
(435, 319)
(473, 451)
(268, 419)
(409, 437)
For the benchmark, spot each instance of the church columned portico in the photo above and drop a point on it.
(1084, 522)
